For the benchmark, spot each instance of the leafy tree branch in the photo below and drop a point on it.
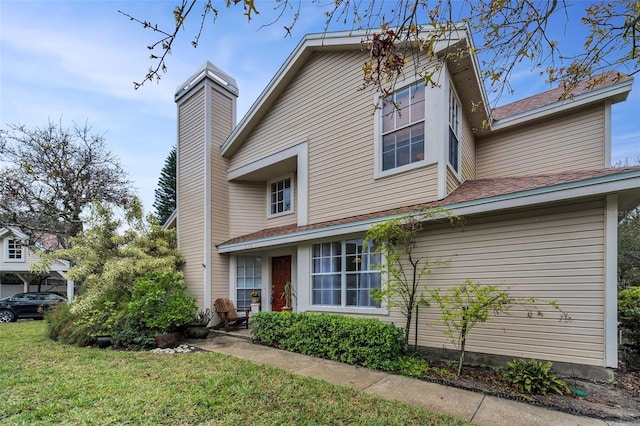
(405, 266)
(464, 306)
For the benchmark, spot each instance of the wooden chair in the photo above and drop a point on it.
(226, 310)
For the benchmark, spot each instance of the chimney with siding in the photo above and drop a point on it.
(206, 115)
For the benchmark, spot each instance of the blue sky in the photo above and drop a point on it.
(76, 61)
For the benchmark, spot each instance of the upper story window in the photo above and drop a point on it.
(280, 196)
(403, 126)
(454, 131)
(343, 274)
(14, 251)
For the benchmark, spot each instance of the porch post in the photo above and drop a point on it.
(25, 283)
(70, 290)
(611, 281)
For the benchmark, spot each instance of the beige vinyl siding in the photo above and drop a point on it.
(551, 253)
(468, 152)
(190, 193)
(452, 180)
(325, 108)
(573, 142)
(248, 202)
(222, 107)
(30, 256)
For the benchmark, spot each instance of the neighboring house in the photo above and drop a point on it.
(16, 259)
(288, 193)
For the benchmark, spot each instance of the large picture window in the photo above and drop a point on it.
(403, 127)
(14, 251)
(280, 196)
(248, 279)
(343, 274)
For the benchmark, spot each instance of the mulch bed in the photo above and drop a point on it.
(618, 400)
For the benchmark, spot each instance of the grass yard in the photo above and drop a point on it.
(44, 382)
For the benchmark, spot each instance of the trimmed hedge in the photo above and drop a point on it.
(358, 341)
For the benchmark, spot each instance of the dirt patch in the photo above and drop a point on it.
(618, 400)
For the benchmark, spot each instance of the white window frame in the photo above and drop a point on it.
(292, 189)
(343, 307)
(378, 135)
(456, 127)
(237, 277)
(398, 128)
(7, 250)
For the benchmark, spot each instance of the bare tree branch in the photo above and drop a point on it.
(49, 175)
(506, 33)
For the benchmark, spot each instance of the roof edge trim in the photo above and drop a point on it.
(592, 186)
(211, 71)
(620, 88)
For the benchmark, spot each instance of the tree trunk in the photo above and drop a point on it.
(461, 360)
(463, 339)
(408, 326)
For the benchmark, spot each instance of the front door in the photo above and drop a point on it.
(280, 274)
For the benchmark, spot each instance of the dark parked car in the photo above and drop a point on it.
(27, 305)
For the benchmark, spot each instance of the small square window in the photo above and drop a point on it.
(14, 250)
(280, 196)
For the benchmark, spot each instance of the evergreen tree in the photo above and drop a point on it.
(165, 202)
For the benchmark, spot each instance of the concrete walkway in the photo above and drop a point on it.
(477, 408)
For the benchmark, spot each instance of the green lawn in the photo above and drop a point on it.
(44, 382)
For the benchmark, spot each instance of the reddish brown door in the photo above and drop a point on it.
(280, 274)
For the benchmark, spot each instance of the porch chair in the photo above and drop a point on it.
(229, 316)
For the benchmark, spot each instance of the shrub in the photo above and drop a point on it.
(131, 334)
(160, 303)
(533, 377)
(59, 319)
(413, 366)
(271, 328)
(629, 312)
(80, 328)
(358, 341)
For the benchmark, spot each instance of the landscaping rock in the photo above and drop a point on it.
(177, 350)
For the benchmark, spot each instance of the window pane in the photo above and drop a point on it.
(287, 199)
(417, 103)
(402, 156)
(387, 117)
(388, 160)
(417, 142)
(402, 137)
(403, 107)
(389, 143)
(453, 150)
